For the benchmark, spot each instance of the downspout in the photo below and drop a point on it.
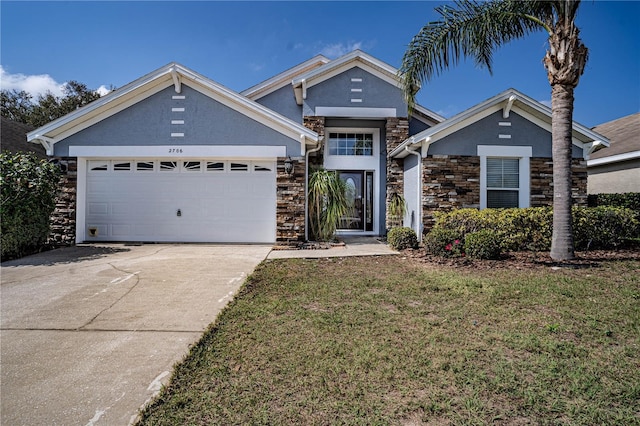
(306, 187)
(419, 186)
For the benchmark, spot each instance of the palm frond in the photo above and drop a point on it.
(470, 29)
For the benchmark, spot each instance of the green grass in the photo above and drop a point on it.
(382, 340)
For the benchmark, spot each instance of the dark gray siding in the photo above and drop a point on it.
(416, 126)
(336, 92)
(283, 101)
(486, 131)
(207, 122)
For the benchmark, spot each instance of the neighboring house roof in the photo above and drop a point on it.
(356, 58)
(624, 135)
(506, 101)
(13, 138)
(172, 74)
(284, 78)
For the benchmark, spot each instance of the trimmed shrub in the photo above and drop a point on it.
(444, 242)
(402, 238)
(484, 244)
(531, 228)
(29, 188)
(518, 229)
(604, 227)
(629, 200)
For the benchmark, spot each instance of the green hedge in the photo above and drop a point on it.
(630, 200)
(29, 187)
(402, 238)
(531, 228)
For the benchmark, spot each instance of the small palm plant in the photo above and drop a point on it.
(328, 203)
(397, 209)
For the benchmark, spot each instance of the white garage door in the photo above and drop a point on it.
(181, 200)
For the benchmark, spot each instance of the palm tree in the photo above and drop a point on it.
(476, 29)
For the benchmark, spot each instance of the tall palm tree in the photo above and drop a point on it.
(476, 29)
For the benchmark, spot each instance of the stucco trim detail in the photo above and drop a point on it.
(180, 151)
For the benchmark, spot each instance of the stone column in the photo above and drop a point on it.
(63, 218)
(397, 131)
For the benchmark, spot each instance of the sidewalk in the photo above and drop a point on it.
(353, 246)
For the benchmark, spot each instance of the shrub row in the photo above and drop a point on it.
(479, 233)
(630, 200)
(402, 238)
(29, 187)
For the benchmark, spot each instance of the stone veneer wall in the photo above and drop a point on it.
(291, 198)
(453, 182)
(449, 182)
(290, 203)
(397, 131)
(542, 182)
(63, 218)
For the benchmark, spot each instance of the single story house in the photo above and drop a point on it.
(616, 169)
(176, 157)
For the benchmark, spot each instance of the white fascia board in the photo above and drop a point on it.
(178, 151)
(252, 109)
(614, 158)
(107, 111)
(581, 133)
(357, 57)
(447, 127)
(154, 82)
(113, 97)
(492, 105)
(284, 78)
(437, 118)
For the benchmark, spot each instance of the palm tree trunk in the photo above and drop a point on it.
(561, 128)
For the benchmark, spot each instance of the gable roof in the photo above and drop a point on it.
(172, 74)
(356, 58)
(13, 138)
(624, 135)
(508, 100)
(284, 78)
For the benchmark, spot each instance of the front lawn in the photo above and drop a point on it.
(387, 340)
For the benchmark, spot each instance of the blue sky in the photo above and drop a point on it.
(239, 44)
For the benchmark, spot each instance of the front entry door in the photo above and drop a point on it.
(359, 191)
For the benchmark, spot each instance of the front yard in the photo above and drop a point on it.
(388, 340)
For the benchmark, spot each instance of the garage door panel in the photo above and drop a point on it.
(219, 206)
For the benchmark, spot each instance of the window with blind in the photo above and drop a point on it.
(503, 182)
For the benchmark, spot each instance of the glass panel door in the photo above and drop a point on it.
(359, 192)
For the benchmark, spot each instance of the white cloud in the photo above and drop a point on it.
(336, 50)
(448, 111)
(102, 90)
(256, 67)
(33, 84)
(546, 103)
(36, 84)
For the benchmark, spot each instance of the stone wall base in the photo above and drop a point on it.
(453, 182)
(63, 218)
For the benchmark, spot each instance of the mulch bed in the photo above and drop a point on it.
(525, 260)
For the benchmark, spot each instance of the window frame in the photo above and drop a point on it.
(523, 154)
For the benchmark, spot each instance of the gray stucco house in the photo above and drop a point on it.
(176, 157)
(616, 169)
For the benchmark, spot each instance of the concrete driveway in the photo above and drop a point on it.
(90, 333)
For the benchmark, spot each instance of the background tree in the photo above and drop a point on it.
(19, 105)
(29, 186)
(476, 29)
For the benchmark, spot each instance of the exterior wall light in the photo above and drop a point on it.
(288, 166)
